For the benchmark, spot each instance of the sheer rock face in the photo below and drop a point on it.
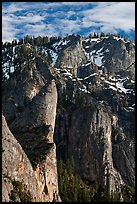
(124, 159)
(15, 164)
(34, 130)
(24, 88)
(95, 146)
(46, 175)
(92, 133)
(100, 141)
(117, 55)
(41, 111)
(72, 56)
(96, 139)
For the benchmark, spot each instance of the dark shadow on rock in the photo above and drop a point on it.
(35, 143)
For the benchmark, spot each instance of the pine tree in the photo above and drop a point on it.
(27, 39)
(71, 166)
(20, 42)
(102, 34)
(60, 174)
(14, 42)
(76, 188)
(90, 36)
(94, 35)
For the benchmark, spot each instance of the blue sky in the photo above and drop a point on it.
(62, 18)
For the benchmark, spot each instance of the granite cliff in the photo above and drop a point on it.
(36, 163)
(75, 100)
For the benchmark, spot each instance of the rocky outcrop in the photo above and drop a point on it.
(86, 70)
(72, 56)
(95, 134)
(34, 130)
(23, 87)
(15, 166)
(116, 55)
(124, 160)
(95, 141)
(40, 111)
(94, 116)
(91, 131)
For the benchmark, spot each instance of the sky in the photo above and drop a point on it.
(63, 18)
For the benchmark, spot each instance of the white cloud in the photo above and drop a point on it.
(86, 23)
(29, 19)
(69, 26)
(41, 18)
(120, 15)
(40, 30)
(11, 8)
(9, 30)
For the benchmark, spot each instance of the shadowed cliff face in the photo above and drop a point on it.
(34, 130)
(23, 88)
(96, 142)
(15, 164)
(116, 55)
(96, 138)
(94, 116)
(93, 132)
(40, 111)
(89, 142)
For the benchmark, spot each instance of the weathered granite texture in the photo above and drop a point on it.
(34, 130)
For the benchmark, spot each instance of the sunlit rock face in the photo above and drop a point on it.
(72, 56)
(75, 100)
(115, 54)
(34, 130)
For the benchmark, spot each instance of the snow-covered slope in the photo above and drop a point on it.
(103, 58)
